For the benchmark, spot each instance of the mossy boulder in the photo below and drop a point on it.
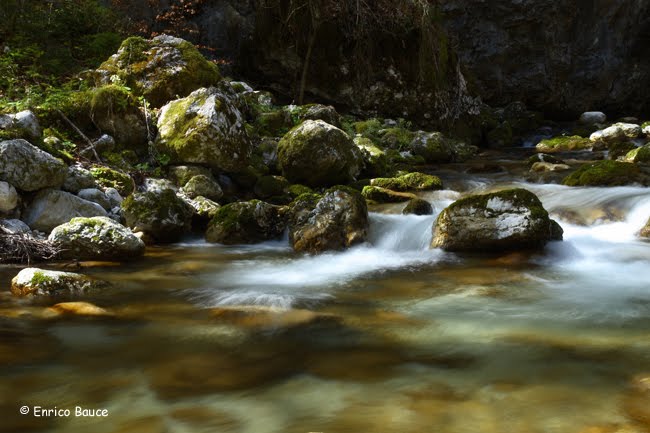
(28, 168)
(160, 68)
(297, 190)
(202, 185)
(273, 123)
(384, 195)
(639, 154)
(620, 150)
(271, 186)
(564, 144)
(204, 209)
(409, 182)
(605, 173)
(181, 174)
(246, 223)
(115, 111)
(334, 221)
(316, 153)
(159, 214)
(436, 148)
(107, 177)
(417, 206)
(41, 282)
(98, 238)
(326, 113)
(204, 128)
(512, 219)
(376, 161)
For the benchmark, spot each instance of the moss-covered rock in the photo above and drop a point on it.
(334, 221)
(97, 238)
(619, 150)
(273, 123)
(271, 186)
(376, 161)
(28, 168)
(202, 185)
(205, 128)
(246, 223)
(499, 221)
(326, 113)
(383, 195)
(645, 231)
(109, 178)
(316, 153)
(159, 214)
(181, 174)
(41, 282)
(204, 210)
(417, 206)
(605, 173)
(159, 69)
(436, 148)
(564, 144)
(639, 154)
(409, 182)
(115, 111)
(297, 190)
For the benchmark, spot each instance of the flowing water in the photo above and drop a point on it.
(389, 336)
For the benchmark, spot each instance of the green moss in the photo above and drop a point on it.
(564, 143)
(421, 181)
(396, 138)
(133, 50)
(616, 150)
(297, 190)
(368, 128)
(39, 278)
(273, 123)
(639, 154)
(603, 173)
(109, 178)
(383, 195)
(111, 99)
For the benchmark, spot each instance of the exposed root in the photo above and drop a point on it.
(24, 248)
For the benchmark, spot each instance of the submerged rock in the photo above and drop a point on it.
(41, 282)
(316, 153)
(77, 309)
(499, 221)
(204, 128)
(257, 316)
(28, 168)
(246, 223)
(159, 214)
(98, 238)
(335, 221)
(51, 208)
(605, 173)
(159, 69)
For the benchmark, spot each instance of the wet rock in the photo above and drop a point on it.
(639, 154)
(592, 117)
(409, 182)
(159, 69)
(78, 178)
(41, 282)
(376, 161)
(76, 309)
(564, 144)
(335, 221)
(204, 128)
(384, 195)
(505, 220)
(203, 185)
(620, 150)
(246, 223)
(257, 316)
(636, 402)
(51, 208)
(417, 206)
(159, 214)
(544, 157)
(605, 173)
(98, 238)
(316, 153)
(8, 197)
(96, 196)
(28, 168)
(645, 231)
(547, 166)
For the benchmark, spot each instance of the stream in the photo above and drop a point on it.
(389, 336)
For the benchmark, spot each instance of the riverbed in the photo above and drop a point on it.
(389, 336)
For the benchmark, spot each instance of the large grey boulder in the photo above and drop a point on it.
(8, 197)
(316, 153)
(97, 238)
(96, 196)
(78, 178)
(159, 214)
(499, 221)
(51, 208)
(335, 221)
(204, 128)
(28, 168)
(41, 282)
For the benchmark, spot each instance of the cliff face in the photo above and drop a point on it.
(558, 56)
(561, 57)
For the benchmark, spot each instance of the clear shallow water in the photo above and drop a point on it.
(398, 337)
